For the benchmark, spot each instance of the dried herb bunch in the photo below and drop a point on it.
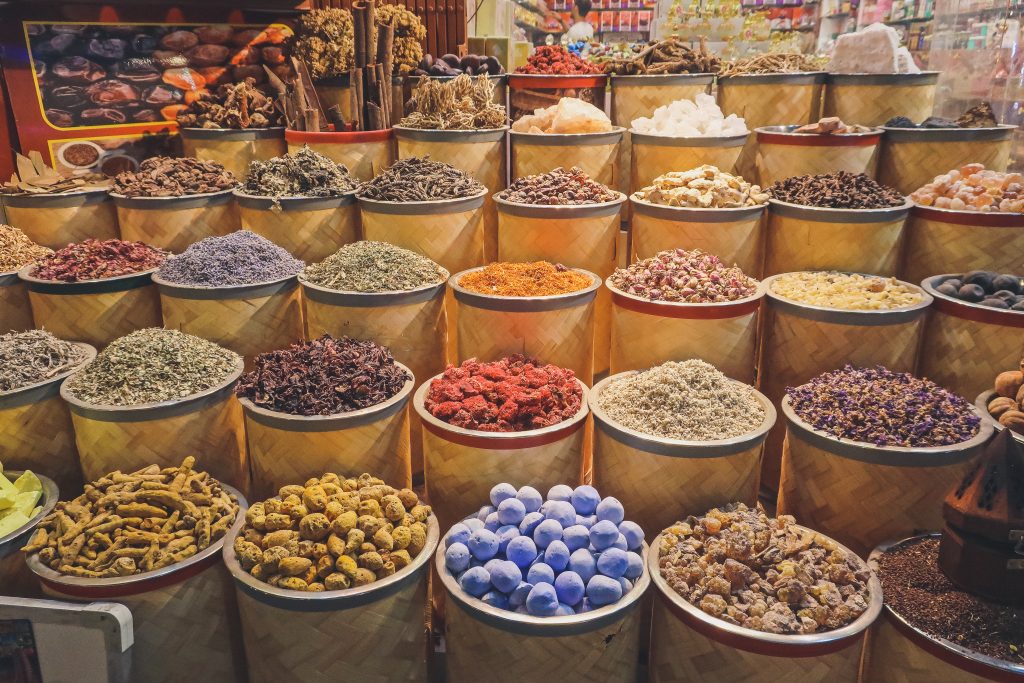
(17, 250)
(418, 179)
(838, 190)
(776, 63)
(304, 173)
(323, 41)
(324, 376)
(35, 356)
(409, 34)
(232, 105)
(669, 56)
(174, 177)
(463, 103)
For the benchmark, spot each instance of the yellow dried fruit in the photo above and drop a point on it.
(346, 564)
(355, 539)
(418, 540)
(315, 526)
(387, 570)
(408, 498)
(333, 509)
(369, 524)
(420, 513)
(363, 577)
(315, 587)
(272, 556)
(293, 566)
(401, 558)
(371, 560)
(314, 498)
(369, 508)
(280, 537)
(291, 490)
(383, 540)
(335, 582)
(344, 523)
(276, 521)
(325, 566)
(293, 583)
(402, 537)
(249, 554)
(393, 508)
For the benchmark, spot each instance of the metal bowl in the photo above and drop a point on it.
(13, 541)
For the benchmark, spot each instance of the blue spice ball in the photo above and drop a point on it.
(583, 563)
(505, 535)
(603, 535)
(584, 606)
(521, 550)
(634, 535)
(547, 531)
(611, 509)
(473, 524)
(635, 566)
(502, 492)
(626, 584)
(556, 556)
(585, 499)
(570, 587)
(603, 591)
(483, 544)
(613, 563)
(506, 576)
(586, 521)
(495, 599)
(562, 512)
(564, 610)
(518, 596)
(473, 562)
(540, 573)
(476, 581)
(560, 492)
(575, 537)
(530, 498)
(459, 533)
(530, 522)
(511, 511)
(620, 543)
(456, 558)
(542, 600)
(484, 511)
(492, 522)
(490, 565)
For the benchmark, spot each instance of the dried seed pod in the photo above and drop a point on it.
(363, 577)
(315, 526)
(292, 583)
(293, 566)
(336, 581)
(347, 565)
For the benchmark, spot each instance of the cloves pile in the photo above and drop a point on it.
(839, 190)
(236, 106)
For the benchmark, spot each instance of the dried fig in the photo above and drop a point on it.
(1009, 383)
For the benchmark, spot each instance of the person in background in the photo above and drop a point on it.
(581, 28)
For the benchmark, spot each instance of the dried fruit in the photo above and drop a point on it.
(1000, 405)
(1009, 383)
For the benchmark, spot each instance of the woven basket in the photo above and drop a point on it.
(655, 155)
(15, 309)
(233, 149)
(647, 333)
(772, 99)
(734, 235)
(207, 425)
(248, 319)
(15, 577)
(873, 99)
(968, 344)
(462, 465)
(284, 449)
(364, 153)
(56, 220)
(371, 634)
(941, 241)
(93, 311)
(310, 228)
(174, 223)
(810, 238)
(911, 156)
(499, 96)
(783, 153)
(184, 613)
(528, 92)
(688, 644)
(596, 153)
(335, 92)
(644, 472)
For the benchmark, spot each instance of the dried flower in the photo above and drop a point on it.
(678, 275)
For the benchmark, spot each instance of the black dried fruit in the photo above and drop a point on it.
(993, 302)
(1008, 282)
(938, 122)
(980, 277)
(451, 60)
(144, 44)
(59, 118)
(1005, 295)
(1019, 306)
(102, 117)
(900, 122)
(110, 48)
(947, 289)
(956, 282)
(971, 293)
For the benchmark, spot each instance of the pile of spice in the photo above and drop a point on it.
(558, 188)
(241, 258)
(453, 65)
(973, 188)
(174, 177)
(700, 117)
(35, 356)
(368, 266)
(570, 553)
(127, 524)
(152, 365)
(837, 190)
(884, 408)
(407, 49)
(323, 42)
(35, 176)
(848, 291)
(704, 187)
(980, 116)
(669, 56)
(462, 103)
(763, 573)
(514, 394)
(96, 259)
(324, 376)
(689, 401)
(831, 125)
(539, 278)
(332, 533)
(772, 63)
(1004, 291)
(237, 106)
(304, 173)
(17, 250)
(555, 59)
(418, 179)
(1008, 404)
(570, 115)
(694, 277)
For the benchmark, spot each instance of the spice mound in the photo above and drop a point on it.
(884, 408)
(1003, 291)
(831, 125)
(697, 118)
(570, 115)
(35, 356)
(670, 56)
(917, 590)
(17, 250)
(555, 59)
(304, 173)
(152, 365)
(539, 278)
(96, 260)
(558, 188)
(174, 177)
(127, 524)
(324, 42)
(848, 291)
(35, 176)
(973, 188)
(980, 116)
(1007, 407)
(838, 190)
(514, 394)
(324, 376)
(332, 533)
(236, 106)
(241, 258)
(374, 267)
(418, 179)
(772, 63)
(775, 577)
(704, 187)
(462, 103)
(693, 277)
(570, 553)
(688, 401)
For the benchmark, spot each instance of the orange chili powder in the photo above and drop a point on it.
(539, 278)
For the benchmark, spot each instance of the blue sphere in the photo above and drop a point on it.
(459, 533)
(575, 537)
(613, 563)
(492, 523)
(540, 573)
(561, 512)
(564, 610)
(547, 531)
(570, 587)
(626, 584)
(634, 535)
(506, 576)
(495, 599)
(518, 596)
(603, 535)
(456, 558)
(635, 566)
(502, 492)
(530, 522)
(556, 556)
(511, 511)
(476, 581)
(583, 563)
(542, 600)
(483, 544)
(587, 521)
(585, 499)
(530, 498)
(620, 543)
(505, 534)
(521, 550)
(560, 492)
(473, 524)
(611, 509)
(489, 565)
(484, 511)
(603, 591)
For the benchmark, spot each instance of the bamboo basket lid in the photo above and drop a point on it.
(60, 200)
(477, 135)
(47, 387)
(559, 211)
(673, 141)
(896, 135)
(233, 134)
(607, 137)
(981, 403)
(787, 135)
(843, 316)
(419, 208)
(101, 286)
(293, 203)
(524, 304)
(11, 543)
(353, 299)
(826, 215)
(188, 201)
(967, 310)
(213, 293)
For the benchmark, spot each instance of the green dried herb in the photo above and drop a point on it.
(35, 356)
(374, 267)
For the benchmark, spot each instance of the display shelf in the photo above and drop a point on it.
(531, 7)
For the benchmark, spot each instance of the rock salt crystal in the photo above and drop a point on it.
(874, 50)
(697, 118)
(570, 115)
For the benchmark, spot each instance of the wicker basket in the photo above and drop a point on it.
(364, 153)
(56, 220)
(644, 472)
(801, 341)
(647, 333)
(596, 153)
(941, 241)
(499, 96)
(811, 238)
(183, 614)
(372, 634)
(655, 155)
(15, 309)
(772, 99)
(207, 425)
(840, 487)
(93, 311)
(783, 153)
(248, 319)
(734, 235)
(688, 644)
(310, 228)
(600, 645)
(911, 156)
(174, 223)
(528, 92)
(284, 449)
(233, 149)
(873, 99)
(15, 577)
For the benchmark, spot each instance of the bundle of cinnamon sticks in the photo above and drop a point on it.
(370, 80)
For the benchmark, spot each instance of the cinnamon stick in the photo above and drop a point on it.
(359, 34)
(375, 116)
(371, 28)
(358, 103)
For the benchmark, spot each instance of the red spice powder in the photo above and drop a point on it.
(514, 394)
(93, 260)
